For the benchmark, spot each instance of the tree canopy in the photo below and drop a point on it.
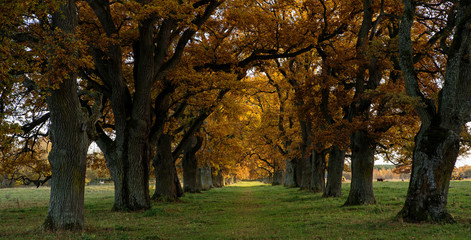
(244, 88)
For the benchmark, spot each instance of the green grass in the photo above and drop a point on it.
(247, 210)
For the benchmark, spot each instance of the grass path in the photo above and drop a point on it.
(246, 210)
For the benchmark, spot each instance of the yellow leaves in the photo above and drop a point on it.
(30, 163)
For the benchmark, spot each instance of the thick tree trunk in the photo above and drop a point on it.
(290, 174)
(139, 125)
(130, 172)
(306, 168)
(206, 179)
(117, 171)
(277, 177)
(306, 160)
(217, 178)
(437, 142)
(435, 155)
(318, 172)
(361, 188)
(190, 165)
(68, 160)
(138, 172)
(167, 186)
(334, 173)
(69, 142)
(199, 184)
(190, 168)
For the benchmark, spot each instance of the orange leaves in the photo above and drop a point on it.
(32, 164)
(64, 55)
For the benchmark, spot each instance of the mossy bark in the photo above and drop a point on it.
(438, 141)
(434, 159)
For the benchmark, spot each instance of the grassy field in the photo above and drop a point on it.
(246, 210)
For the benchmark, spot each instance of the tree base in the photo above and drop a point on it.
(163, 199)
(421, 216)
(353, 200)
(50, 225)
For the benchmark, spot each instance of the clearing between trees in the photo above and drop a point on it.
(245, 210)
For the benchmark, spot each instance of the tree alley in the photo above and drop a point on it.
(294, 85)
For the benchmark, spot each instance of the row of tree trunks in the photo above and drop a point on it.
(294, 173)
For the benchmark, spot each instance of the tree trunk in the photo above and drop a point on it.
(306, 168)
(361, 188)
(206, 179)
(306, 160)
(167, 186)
(435, 155)
(290, 174)
(318, 172)
(138, 172)
(334, 173)
(69, 142)
(298, 172)
(277, 177)
(117, 171)
(217, 178)
(190, 168)
(190, 165)
(199, 184)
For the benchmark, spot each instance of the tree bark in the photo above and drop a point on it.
(199, 183)
(434, 159)
(217, 178)
(190, 165)
(318, 172)
(437, 142)
(167, 186)
(306, 160)
(361, 188)
(298, 172)
(206, 179)
(290, 174)
(69, 142)
(334, 173)
(306, 169)
(277, 177)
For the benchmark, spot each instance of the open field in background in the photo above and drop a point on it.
(246, 210)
